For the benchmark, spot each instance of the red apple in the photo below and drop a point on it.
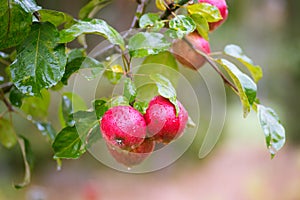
(162, 123)
(222, 6)
(186, 55)
(123, 126)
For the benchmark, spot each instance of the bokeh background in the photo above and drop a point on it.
(239, 167)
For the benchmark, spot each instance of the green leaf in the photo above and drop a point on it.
(182, 24)
(201, 25)
(166, 89)
(82, 63)
(209, 12)
(87, 126)
(94, 26)
(15, 23)
(28, 5)
(92, 7)
(236, 52)
(76, 53)
(144, 44)
(114, 73)
(40, 63)
(55, 17)
(67, 144)
(246, 87)
(46, 129)
(160, 4)
(28, 161)
(151, 20)
(16, 97)
(129, 90)
(70, 103)
(100, 107)
(37, 107)
(141, 106)
(8, 136)
(118, 101)
(272, 128)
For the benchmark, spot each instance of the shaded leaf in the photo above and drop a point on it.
(272, 128)
(37, 107)
(67, 144)
(151, 20)
(246, 87)
(15, 23)
(46, 129)
(201, 25)
(8, 137)
(16, 97)
(55, 17)
(70, 103)
(28, 161)
(40, 63)
(209, 12)
(129, 90)
(100, 107)
(236, 52)
(94, 26)
(182, 24)
(144, 44)
(92, 7)
(87, 126)
(166, 89)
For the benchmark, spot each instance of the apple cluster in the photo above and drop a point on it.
(184, 53)
(131, 136)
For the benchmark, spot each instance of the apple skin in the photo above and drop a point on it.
(162, 123)
(186, 55)
(134, 156)
(222, 6)
(123, 127)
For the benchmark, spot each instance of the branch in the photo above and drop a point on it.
(213, 64)
(140, 10)
(172, 7)
(6, 102)
(5, 87)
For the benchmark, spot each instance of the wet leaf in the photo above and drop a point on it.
(182, 24)
(55, 17)
(129, 90)
(272, 128)
(151, 20)
(40, 63)
(208, 11)
(201, 25)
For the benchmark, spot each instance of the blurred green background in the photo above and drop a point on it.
(239, 167)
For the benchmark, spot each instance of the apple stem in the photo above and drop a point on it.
(210, 60)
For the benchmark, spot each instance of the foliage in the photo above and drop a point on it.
(34, 42)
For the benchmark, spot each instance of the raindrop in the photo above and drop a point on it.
(128, 168)
(29, 117)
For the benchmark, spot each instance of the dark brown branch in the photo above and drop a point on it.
(5, 87)
(5, 101)
(213, 64)
(171, 8)
(140, 10)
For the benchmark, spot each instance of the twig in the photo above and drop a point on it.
(139, 11)
(5, 62)
(5, 87)
(7, 104)
(213, 64)
(172, 7)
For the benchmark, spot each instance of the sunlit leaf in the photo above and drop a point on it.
(246, 87)
(160, 4)
(182, 24)
(40, 62)
(151, 20)
(201, 25)
(8, 137)
(236, 52)
(143, 44)
(94, 26)
(209, 12)
(272, 128)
